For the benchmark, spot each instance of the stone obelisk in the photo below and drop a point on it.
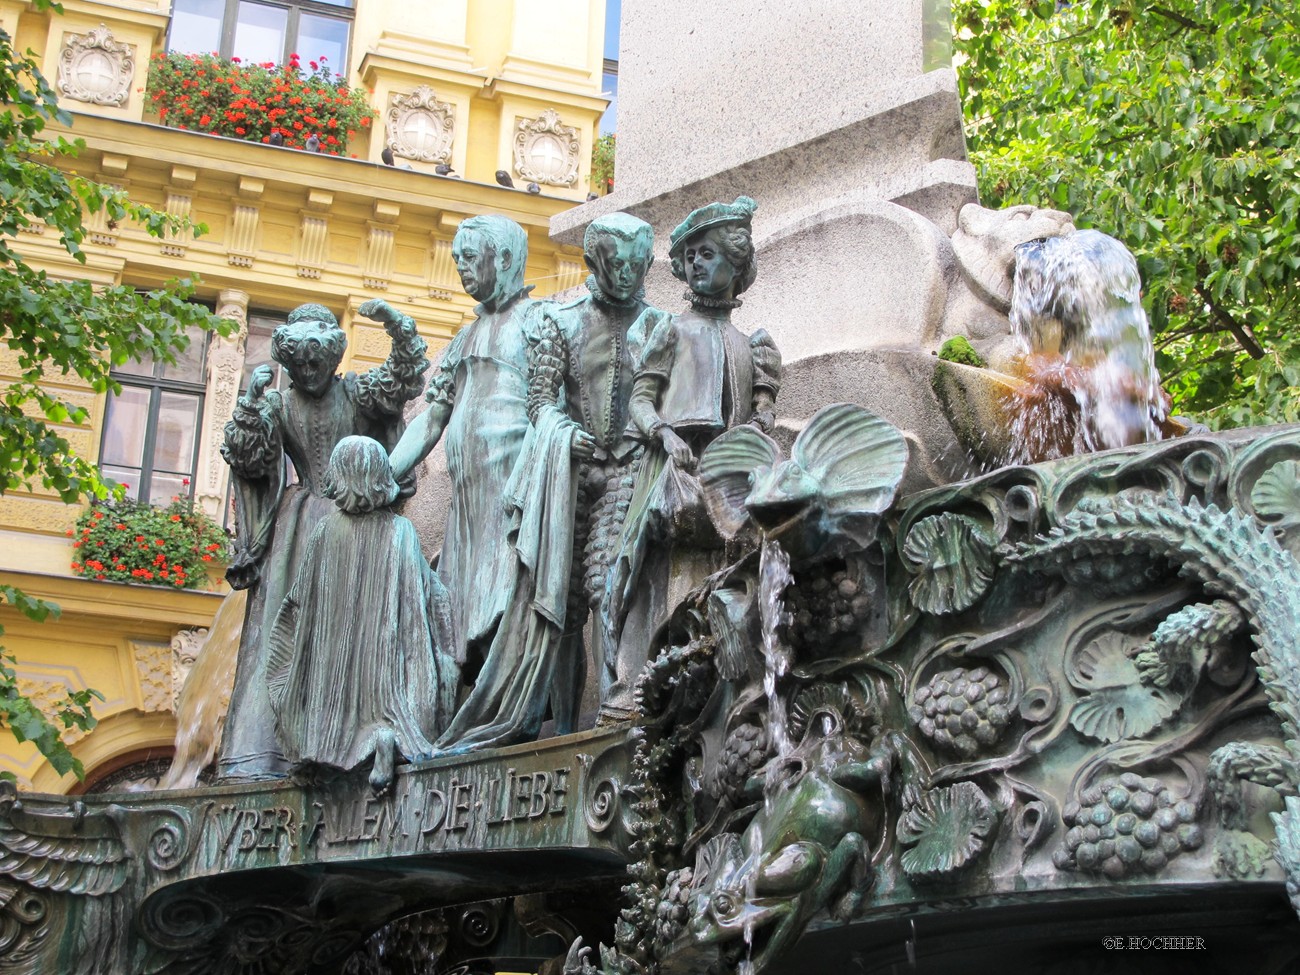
(842, 120)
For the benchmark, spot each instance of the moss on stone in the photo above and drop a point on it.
(958, 349)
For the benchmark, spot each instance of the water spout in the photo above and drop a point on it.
(201, 711)
(774, 578)
(1088, 367)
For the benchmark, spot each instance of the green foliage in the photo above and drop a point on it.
(22, 717)
(62, 327)
(206, 93)
(602, 164)
(130, 541)
(1173, 126)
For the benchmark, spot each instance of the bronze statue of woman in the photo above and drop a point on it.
(275, 517)
(478, 408)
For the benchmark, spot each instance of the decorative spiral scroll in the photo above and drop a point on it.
(169, 845)
(19, 921)
(602, 805)
(29, 909)
(297, 938)
(182, 921)
(1021, 503)
(335, 946)
(256, 929)
(1206, 469)
(11, 933)
(1033, 822)
(479, 924)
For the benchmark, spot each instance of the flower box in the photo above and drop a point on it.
(128, 541)
(257, 102)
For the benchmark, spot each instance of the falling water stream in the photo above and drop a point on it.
(201, 711)
(1088, 366)
(773, 580)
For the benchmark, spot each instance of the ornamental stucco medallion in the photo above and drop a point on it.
(420, 127)
(95, 68)
(547, 151)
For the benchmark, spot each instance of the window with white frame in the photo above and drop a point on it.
(152, 427)
(258, 31)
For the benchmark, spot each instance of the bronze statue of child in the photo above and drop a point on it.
(696, 375)
(358, 662)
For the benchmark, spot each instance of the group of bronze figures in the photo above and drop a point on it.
(571, 433)
(1038, 680)
(1052, 683)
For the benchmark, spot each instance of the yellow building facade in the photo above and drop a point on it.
(480, 85)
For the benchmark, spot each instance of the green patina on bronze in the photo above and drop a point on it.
(1056, 683)
(274, 519)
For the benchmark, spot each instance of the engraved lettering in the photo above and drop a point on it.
(458, 813)
(317, 825)
(338, 827)
(248, 831)
(235, 817)
(399, 813)
(508, 796)
(541, 795)
(523, 797)
(493, 790)
(435, 810)
(283, 824)
(371, 818)
(559, 788)
(266, 829)
(488, 797)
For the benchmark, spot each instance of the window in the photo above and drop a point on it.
(257, 348)
(264, 31)
(257, 352)
(152, 427)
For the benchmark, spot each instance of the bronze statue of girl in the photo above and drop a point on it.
(358, 663)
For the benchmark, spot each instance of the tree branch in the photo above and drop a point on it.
(1183, 21)
(1239, 331)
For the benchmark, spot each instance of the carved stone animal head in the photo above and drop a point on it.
(985, 245)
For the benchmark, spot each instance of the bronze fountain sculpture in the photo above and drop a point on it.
(820, 708)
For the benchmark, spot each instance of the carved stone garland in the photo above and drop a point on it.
(420, 127)
(225, 366)
(547, 151)
(95, 68)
